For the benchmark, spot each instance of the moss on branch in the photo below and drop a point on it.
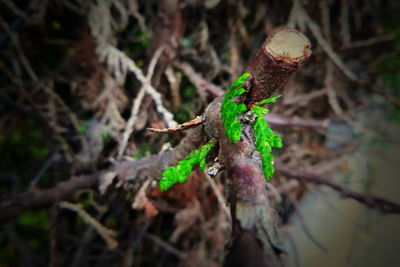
(180, 172)
(265, 137)
(230, 110)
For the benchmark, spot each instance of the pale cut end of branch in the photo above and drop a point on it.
(288, 45)
(273, 64)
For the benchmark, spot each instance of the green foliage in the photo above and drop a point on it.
(265, 137)
(230, 110)
(38, 219)
(180, 173)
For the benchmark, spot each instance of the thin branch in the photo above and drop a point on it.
(67, 149)
(12, 205)
(165, 246)
(136, 105)
(199, 81)
(221, 199)
(13, 7)
(15, 40)
(381, 204)
(304, 99)
(107, 234)
(300, 15)
(199, 120)
(304, 225)
(111, 54)
(277, 120)
(370, 41)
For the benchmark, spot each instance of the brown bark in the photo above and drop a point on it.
(273, 64)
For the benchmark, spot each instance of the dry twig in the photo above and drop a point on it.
(368, 200)
(107, 234)
(181, 127)
(136, 105)
(300, 17)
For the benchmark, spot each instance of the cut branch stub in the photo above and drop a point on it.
(273, 64)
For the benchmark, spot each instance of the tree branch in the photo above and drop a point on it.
(13, 205)
(368, 200)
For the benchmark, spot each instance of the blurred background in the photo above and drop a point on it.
(81, 81)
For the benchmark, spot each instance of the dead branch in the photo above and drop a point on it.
(136, 105)
(107, 234)
(114, 57)
(368, 200)
(12, 205)
(198, 80)
(153, 166)
(181, 127)
(300, 16)
(277, 120)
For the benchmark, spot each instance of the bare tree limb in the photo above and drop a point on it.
(13, 205)
(378, 203)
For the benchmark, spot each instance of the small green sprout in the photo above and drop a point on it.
(230, 110)
(180, 172)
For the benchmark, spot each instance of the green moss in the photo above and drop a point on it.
(180, 173)
(230, 110)
(265, 137)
